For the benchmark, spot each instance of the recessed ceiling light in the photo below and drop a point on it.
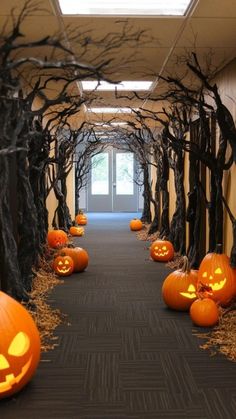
(123, 85)
(123, 7)
(111, 110)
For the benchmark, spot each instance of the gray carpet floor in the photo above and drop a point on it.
(124, 354)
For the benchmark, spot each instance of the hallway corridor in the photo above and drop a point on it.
(123, 355)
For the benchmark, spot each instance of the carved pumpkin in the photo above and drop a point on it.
(63, 265)
(136, 224)
(216, 272)
(19, 346)
(162, 251)
(204, 312)
(179, 288)
(76, 231)
(57, 238)
(80, 257)
(81, 219)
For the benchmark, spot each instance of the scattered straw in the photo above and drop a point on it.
(45, 317)
(177, 262)
(222, 339)
(143, 234)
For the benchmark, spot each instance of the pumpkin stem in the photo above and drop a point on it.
(219, 248)
(186, 266)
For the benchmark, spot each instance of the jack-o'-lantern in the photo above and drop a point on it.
(180, 287)
(63, 265)
(81, 219)
(204, 312)
(136, 224)
(76, 231)
(162, 250)
(79, 255)
(216, 272)
(57, 238)
(19, 346)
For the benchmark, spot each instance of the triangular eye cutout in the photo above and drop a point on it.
(20, 345)
(204, 275)
(218, 271)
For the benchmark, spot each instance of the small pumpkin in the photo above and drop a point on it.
(180, 287)
(76, 231)
(136, 224)
(63, 265)
(19, 346)
(162, 250)
(81, 219)
(79, 255)
(57, 238)
(216, 272)
(204, 312)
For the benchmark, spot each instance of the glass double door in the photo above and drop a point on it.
(111, 185)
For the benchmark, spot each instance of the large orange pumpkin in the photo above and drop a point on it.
(216, 272)
(204, 312)
(57, 238)
(80, 257)
(179, 288)
(63, 265)
(19, 346)
(81, 219)
(76, 231)
(162, 250)
(136, 224)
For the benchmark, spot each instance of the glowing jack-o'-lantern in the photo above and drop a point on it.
(19, 346)
(162, 250)
(180, 287)
(81, 219)
(57, 238)
(216, 272)
(79, 255)
(76, 231)
(63, 265)
(135, 224)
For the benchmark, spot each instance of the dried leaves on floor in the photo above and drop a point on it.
(45, 317)
(222, 339)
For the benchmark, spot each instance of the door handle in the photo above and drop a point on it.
(114, 185)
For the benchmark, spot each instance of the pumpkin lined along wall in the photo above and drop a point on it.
(179, 289)
(215, 272)
(19, 346)
(162, 251)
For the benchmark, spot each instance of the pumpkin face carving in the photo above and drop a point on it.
(76, 231)
(179, 289)
(79, 255)
(162, 251)
(63, 265)
(216, 273)
(57, 238)
(19, 346)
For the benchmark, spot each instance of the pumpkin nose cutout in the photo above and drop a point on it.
(191, 288)
(3, 363)
(210, 277)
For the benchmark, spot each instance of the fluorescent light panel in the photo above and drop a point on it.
(124, 7)
(124, 85)
(111, 110)
(114, 124)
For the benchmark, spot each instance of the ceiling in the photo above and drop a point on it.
(209, 28)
